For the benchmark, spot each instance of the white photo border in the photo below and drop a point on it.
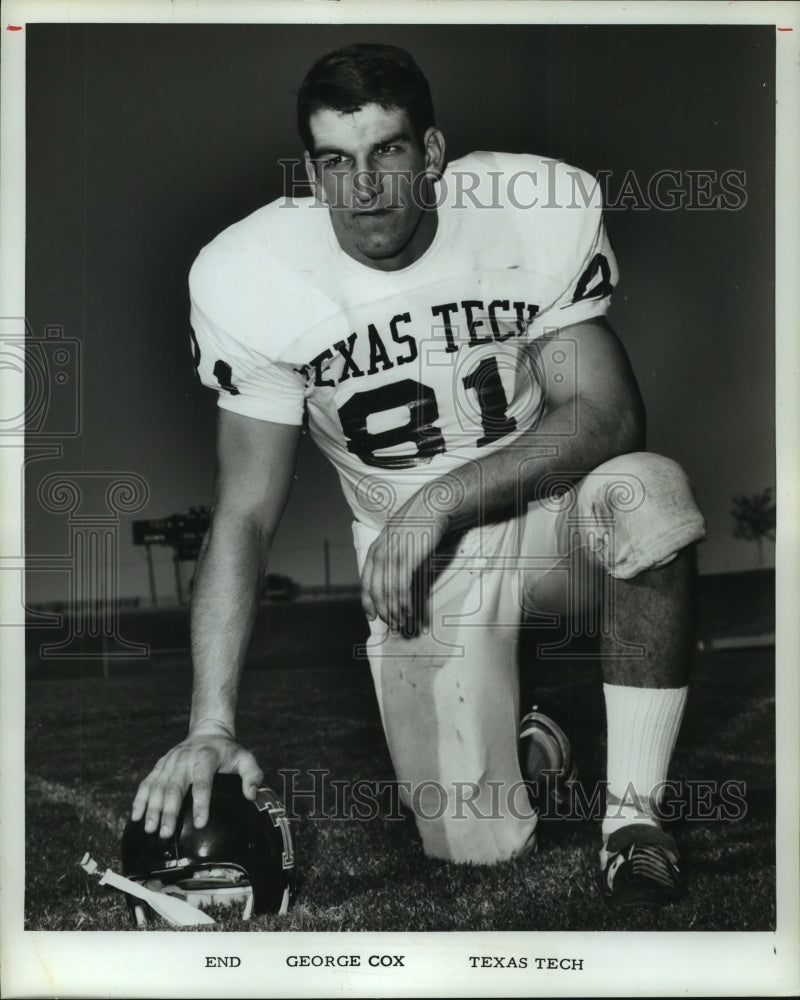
(74, 964)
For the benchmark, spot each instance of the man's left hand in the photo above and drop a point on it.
(390, 577)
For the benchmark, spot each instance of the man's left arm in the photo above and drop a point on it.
(592, 414)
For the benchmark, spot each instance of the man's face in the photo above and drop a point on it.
(370, 170)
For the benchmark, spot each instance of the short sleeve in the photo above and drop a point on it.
(247, 382)
(588, 294)
(589, 268)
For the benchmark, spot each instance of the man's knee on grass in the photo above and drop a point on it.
(471, 822)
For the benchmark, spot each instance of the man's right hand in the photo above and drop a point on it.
(194, 762)
(255, 469)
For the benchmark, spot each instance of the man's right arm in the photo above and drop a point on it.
(255, 460)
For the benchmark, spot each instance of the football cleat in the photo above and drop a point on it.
(639, 868)
(243, 857)
(546, 759)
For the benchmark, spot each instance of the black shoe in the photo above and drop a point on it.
(546, 760)
(639, 866)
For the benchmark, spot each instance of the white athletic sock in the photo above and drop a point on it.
(643, 726)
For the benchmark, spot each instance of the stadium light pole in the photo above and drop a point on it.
(151, 576)
(178, 588)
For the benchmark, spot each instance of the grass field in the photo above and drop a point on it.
(309, 706)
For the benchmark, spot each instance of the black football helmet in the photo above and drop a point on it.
(244, 855)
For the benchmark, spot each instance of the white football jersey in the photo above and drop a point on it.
(404, 374)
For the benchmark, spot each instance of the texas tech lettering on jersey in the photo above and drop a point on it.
(383, 353)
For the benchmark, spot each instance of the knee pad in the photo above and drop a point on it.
(641, 510)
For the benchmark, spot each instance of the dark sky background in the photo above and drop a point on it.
(144, 141)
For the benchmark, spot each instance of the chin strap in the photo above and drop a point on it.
(176, 911)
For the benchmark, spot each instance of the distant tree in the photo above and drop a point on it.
(754, 518)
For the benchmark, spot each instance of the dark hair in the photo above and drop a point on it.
(363, 73)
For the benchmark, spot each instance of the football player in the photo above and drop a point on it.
(442, 328)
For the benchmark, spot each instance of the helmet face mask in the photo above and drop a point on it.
(205, 887)
(242, 860)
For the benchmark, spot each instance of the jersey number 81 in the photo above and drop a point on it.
(421, 430)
